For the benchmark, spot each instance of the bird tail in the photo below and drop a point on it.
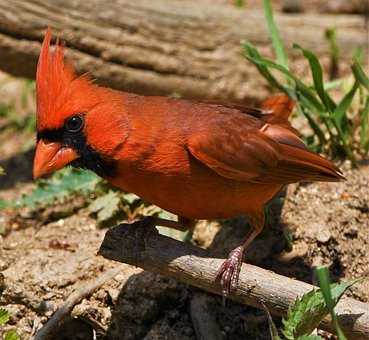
(278, 108)
(308, 166)
(296, 162)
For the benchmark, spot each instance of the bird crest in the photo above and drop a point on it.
(60, 92)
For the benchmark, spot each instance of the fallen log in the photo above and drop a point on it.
(195, 266)
(188, 48)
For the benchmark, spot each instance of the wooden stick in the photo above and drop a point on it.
(194, 266)
(51, 328)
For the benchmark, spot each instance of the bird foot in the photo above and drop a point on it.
(229, 271)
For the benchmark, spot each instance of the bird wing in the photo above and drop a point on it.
(270, 153)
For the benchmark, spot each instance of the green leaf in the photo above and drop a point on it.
(277, 42)
(63, 184)
(340, 112)
(360, 75)
(305, 315)
(4, 316)
(317, 72)
(11, 335)
(338, 289)
(239, 3)
(106, 206)
(308, 311)
(2, 172)
(310, 337)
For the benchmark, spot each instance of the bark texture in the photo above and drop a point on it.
(161, 47)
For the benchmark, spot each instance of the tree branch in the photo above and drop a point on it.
(194, 266)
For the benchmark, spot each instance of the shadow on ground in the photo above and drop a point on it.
(18, 169)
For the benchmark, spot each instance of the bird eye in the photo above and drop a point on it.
(74, 124)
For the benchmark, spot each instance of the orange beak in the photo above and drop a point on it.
(50, 157)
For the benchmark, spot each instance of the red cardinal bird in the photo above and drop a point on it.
(196, 160)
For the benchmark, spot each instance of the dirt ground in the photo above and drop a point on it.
(45, 256)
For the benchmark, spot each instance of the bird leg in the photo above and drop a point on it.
(229, 271)
(146, 226)
(183, 223)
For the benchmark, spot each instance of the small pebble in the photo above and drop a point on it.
(60, 223)
(323, 235)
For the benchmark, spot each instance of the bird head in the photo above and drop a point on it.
(78, 122)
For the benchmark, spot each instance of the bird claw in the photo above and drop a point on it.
(229, 272)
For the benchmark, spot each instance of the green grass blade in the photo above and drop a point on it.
(334, 51)
(358, 54)
(277, 42)
(360, 75)
(324, 282)
(340, 112)
(364, 127)
(331, 35)
(317, 73)
(302, 88)
(252, 54)
(314, 125)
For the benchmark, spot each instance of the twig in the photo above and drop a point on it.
(194, 266)
(52, 326)
(203, 319)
